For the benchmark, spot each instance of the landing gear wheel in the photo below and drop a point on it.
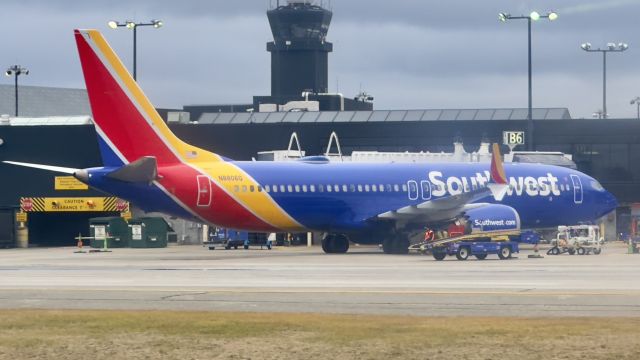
(235, 247)
(481, 256)
(335, 244)
(463, 253)
(439, 255)
(571, 251)
(553, 251)
(505, 253)
(581, 251)
(597, 251)
(327, 244)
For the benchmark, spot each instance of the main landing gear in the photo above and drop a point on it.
(335, 244)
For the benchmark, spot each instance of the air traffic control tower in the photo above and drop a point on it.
(299, 50)
(300, 56)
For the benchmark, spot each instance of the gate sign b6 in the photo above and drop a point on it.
(513, 138)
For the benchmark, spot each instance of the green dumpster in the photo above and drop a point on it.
(114, 229)
(149, 232)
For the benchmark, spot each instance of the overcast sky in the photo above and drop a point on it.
(407, 53)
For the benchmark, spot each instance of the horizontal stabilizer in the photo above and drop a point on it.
(59, 169)
(143, 170)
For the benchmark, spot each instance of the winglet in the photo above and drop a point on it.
(498, 184)
(497, 168)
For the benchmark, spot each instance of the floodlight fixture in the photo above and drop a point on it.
(533, 16)
(16, 71)
(610, 47)
(132, 25)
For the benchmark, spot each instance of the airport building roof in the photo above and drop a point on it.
(384, 115)
(39, 101)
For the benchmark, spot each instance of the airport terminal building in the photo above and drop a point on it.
(55, 128)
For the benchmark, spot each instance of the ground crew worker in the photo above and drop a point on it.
(429, 235)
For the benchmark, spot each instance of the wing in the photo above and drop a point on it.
(449, 207)
(440, 209)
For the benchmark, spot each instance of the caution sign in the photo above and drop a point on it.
(74, 204)
(21, 216)
(69, 183)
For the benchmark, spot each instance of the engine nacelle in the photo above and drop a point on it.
(493, 217)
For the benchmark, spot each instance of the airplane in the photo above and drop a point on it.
(383, 203)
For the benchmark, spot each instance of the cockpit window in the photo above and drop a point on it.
(596, 185)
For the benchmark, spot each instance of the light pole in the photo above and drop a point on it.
(534, 16)
(134, 26)
(15, 71)
(611, 47)
(637, 102)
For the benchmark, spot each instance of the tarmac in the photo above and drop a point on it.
(300, 279)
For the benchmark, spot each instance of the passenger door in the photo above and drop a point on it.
(204, 191)
(577, 189)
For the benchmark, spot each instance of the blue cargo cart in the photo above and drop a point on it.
(501, 243)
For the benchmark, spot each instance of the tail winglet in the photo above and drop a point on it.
(498, 184)
(498, 175)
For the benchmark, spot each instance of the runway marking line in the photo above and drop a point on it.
(521, 293)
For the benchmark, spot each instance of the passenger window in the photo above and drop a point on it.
(244, 188)
(267, 188)
(359, 188)
(329, 188)
(336, 188)
(381, 188)
(275, 188)
(388, 188)
(396, 188)
(366, 188)
(320, 188)
(252, 188)
(404, 187)
(236, 188)
(297, 188)
(282, 188)
(304, 188)
(374, 188)
(290, 188)
(344, 188)
(312, 188)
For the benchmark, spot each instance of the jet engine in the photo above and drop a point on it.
(492, 217)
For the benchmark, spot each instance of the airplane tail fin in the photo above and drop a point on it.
(128, 126)
(498, 184)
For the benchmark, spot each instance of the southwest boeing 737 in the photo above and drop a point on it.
(146, 164)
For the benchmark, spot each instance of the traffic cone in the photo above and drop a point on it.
(80, 244)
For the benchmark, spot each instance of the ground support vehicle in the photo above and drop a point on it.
(480, 245)
(229, 239)
(579, 239)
